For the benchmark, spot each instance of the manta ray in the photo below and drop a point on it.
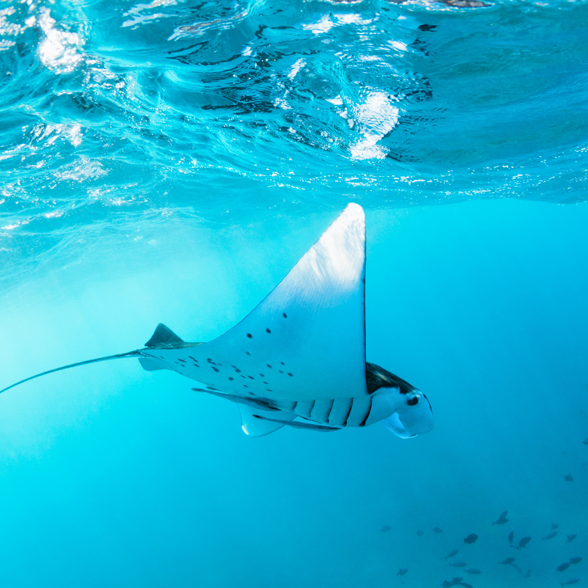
(299, 358)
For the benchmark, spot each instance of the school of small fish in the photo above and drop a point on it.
(510, 561)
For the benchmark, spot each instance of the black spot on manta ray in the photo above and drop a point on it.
(249, 335)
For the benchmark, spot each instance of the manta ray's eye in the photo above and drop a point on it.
(412, 401)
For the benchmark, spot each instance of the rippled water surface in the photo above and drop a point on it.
(115, 116)
(171, 161)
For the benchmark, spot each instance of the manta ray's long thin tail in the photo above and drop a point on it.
(135, 353)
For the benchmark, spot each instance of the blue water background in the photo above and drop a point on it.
(139, 187)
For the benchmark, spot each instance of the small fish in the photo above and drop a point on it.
(501, 519)
(575, 560)
(523, 542)
(437, 530)
(402, 571)
(511, 537)
(465, 585)
(571, 538)
(549, 535)
(572, 581)
(446, 584)
(563, 567)
(528, 573)
(554, 526)
(569, 478)
(508, 561)
(473, 571)
(452, 553)
(385, 528)
(586, 441)
(471, 538)
(459, 564)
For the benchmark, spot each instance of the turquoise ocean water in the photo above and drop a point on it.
(170, 162)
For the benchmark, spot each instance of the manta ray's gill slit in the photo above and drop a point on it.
(348, 412)
(362, 424)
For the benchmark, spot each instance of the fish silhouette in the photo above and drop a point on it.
(575, 560)
(385, 528)
(473, 571)
(572, 581)
(523, 542)
(511, 537)
(501, 519)
(571, 538)
(586, 441)
(459, 564)
(402, 571)
(555, 525)
(569, 478)
(509, 561)
(437, 530)
(563, 567)
(465, 585)
(452, 553)
(550, 535)
(471, 538)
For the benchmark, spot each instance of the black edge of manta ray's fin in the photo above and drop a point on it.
(163, 336)
(72, 365)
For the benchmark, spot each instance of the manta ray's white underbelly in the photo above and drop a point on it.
(266, 390)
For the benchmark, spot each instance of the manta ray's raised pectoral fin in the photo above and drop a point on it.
(306, 339)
